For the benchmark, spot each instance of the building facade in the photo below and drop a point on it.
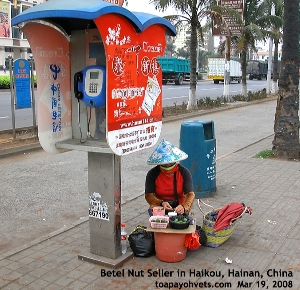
(184, 34)
(12, 41)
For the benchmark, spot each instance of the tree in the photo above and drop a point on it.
(277, 37)
(191, 13)
(257, 22)
(184, 52)
(286, 126)
(170, 46)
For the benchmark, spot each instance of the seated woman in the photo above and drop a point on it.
(169, 184)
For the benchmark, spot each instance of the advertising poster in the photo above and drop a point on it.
(134, 89)
(54, 104)
(4, 19)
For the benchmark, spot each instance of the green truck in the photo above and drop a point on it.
(257, 69)
(175, 70)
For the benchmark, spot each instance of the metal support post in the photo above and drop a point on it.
(12, 96)
(32, 94)
(104, 185)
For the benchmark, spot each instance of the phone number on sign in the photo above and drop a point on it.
(99, 214)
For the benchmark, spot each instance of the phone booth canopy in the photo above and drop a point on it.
(99, 81)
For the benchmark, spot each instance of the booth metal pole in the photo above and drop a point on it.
(32, 94)
(104, 180)
(12, 97)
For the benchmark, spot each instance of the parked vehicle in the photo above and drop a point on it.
(257, 69)
(216, 70)
(174, 70)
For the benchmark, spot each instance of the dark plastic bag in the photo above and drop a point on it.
(202, 234)
(142, 242)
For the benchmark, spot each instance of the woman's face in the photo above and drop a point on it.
(168, 164)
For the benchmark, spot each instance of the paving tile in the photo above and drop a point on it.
(13, 286)
(38, 285)
(269, 239)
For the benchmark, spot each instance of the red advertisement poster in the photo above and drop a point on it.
(134, 89)
(4, 19)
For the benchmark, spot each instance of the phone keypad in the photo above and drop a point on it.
(93, 88)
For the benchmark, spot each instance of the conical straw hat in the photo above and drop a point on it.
(165, 153)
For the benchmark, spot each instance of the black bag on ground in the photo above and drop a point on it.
(202, 234)
(142, 242)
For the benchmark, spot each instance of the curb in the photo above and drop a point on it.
(20, 149)
(36, 146)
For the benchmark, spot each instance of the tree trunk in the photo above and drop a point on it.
(286, 126)
(192, 103)
(244, 75)
(275, 68)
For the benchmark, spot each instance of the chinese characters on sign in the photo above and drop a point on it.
(56, 99)
(211, 170)
(22, 83)
(98, 208)
(134, 100)
(117, 2)
(232, 27)
(52, 62)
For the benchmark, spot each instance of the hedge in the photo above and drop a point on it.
(5, 82)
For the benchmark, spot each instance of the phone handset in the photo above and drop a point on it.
(78, 78)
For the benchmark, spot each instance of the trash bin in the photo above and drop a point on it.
(197, 139)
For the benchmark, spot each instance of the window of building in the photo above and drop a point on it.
(8, 49)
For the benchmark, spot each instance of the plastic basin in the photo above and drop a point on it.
(170, 247)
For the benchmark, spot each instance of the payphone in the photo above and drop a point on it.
(90, 86)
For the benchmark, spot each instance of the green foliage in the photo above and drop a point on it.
(207, 103)
(251, 96)
(5, 82)
(267, 153)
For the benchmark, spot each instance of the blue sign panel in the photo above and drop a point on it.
(22, 83)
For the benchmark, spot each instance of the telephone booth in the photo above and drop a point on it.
(99, 90)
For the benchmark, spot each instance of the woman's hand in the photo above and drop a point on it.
(180, 209)
(166, 205)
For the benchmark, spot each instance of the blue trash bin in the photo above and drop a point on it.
(197, 139)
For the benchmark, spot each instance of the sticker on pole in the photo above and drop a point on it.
(97, 207)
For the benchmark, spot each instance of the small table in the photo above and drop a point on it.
(169, 243)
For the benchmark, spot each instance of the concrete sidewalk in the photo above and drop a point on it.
(264, 248)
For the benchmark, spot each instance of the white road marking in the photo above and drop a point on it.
(5, 117)
(175, 98)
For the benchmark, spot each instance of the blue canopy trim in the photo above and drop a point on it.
(77, 15)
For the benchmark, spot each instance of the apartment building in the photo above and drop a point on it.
(12, 41)
(183, 34)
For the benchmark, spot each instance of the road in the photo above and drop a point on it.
(171, 94)
(179, 94)
(41, 192)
